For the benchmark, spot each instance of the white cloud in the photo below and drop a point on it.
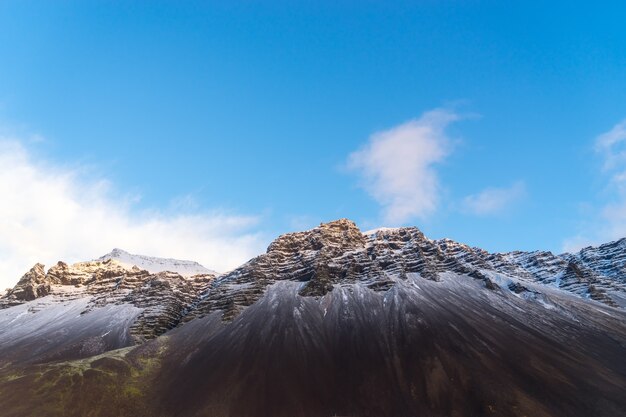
(610, 219)
(612, 146)
(398, 166)
(49, 213)
(494, 200)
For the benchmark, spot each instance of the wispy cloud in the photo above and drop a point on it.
(612, 146)
(49, 212)
(494, 200)
(398, 167)
(610, 219)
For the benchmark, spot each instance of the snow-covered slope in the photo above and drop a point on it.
(47, 309)
(64, 326)
(598, 273)
(154, 265)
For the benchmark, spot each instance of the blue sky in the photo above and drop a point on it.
(271, 117)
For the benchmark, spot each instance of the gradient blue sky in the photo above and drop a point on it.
(252, 110)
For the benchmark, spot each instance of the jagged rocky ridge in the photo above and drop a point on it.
(338, 253)
(330, 321)
(335, 253)
(162, 297)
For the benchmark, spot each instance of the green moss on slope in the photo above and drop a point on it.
(113, 384)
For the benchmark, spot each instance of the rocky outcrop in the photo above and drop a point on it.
(32, 285)
(574, 274)
(338, 253)
(333, 254)
(164, 298)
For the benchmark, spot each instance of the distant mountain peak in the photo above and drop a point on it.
(117, 252)
(155, 265)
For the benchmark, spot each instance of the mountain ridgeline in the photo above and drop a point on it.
(330, 321)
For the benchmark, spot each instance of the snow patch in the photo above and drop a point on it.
(155, 265)
(380, 229)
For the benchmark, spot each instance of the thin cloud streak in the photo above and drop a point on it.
(610, 221)
(612, 146)
(494, 200)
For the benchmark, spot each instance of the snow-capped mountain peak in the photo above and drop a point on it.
(155, 265)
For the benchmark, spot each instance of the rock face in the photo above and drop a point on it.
(330, 321)
(32, 285)
(338, 253)
(162, 297)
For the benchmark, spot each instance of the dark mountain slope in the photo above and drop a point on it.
(422, 348)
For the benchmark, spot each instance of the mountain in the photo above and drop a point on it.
(154, 265)
(330, 321)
